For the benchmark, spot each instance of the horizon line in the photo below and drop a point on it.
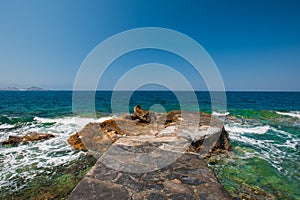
(107, 90)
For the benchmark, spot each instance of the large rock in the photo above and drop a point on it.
(30, 137)
(97, 139)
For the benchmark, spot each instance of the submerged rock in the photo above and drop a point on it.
(30, 137)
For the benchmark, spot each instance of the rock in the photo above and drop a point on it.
(111, 125)
(95, 138)
(143, 116)
(223, 142)
(149, 196)
(173, 116)
(30, 137)
(172, 186)
(75, 141)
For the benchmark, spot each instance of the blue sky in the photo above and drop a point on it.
(255, 44)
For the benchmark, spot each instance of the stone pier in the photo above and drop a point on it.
(152, 156)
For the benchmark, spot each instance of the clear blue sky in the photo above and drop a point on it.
(255, 44)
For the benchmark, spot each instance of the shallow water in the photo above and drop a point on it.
(266, 154)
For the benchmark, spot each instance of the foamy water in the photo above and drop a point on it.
(268, 147)
(220, 114)
(290, 114)
(25, 161)
(6, 126)
(237, 128)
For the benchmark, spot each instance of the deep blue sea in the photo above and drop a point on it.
(264, 128)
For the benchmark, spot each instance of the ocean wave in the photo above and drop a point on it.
(79, 121)
(237, 128)
(236, 132)
(28, 160)
(295, 114)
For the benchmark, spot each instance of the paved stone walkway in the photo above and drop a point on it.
(186, 177)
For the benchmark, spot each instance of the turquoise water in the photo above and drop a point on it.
(264, 128)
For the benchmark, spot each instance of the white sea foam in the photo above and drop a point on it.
(237, 128)
(273, 151)
(28, 160)
(282, 134)
(290, 114)
(264, 149)
(6, 126)
(78, 121)
(292, 144)
(220, 114)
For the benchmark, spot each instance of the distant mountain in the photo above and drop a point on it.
(32, 88)
(35, 88)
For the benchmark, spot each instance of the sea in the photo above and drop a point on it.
(263, 127)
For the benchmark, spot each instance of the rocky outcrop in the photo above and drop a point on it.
(153, 156)
(200, 130)
(30, 137)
